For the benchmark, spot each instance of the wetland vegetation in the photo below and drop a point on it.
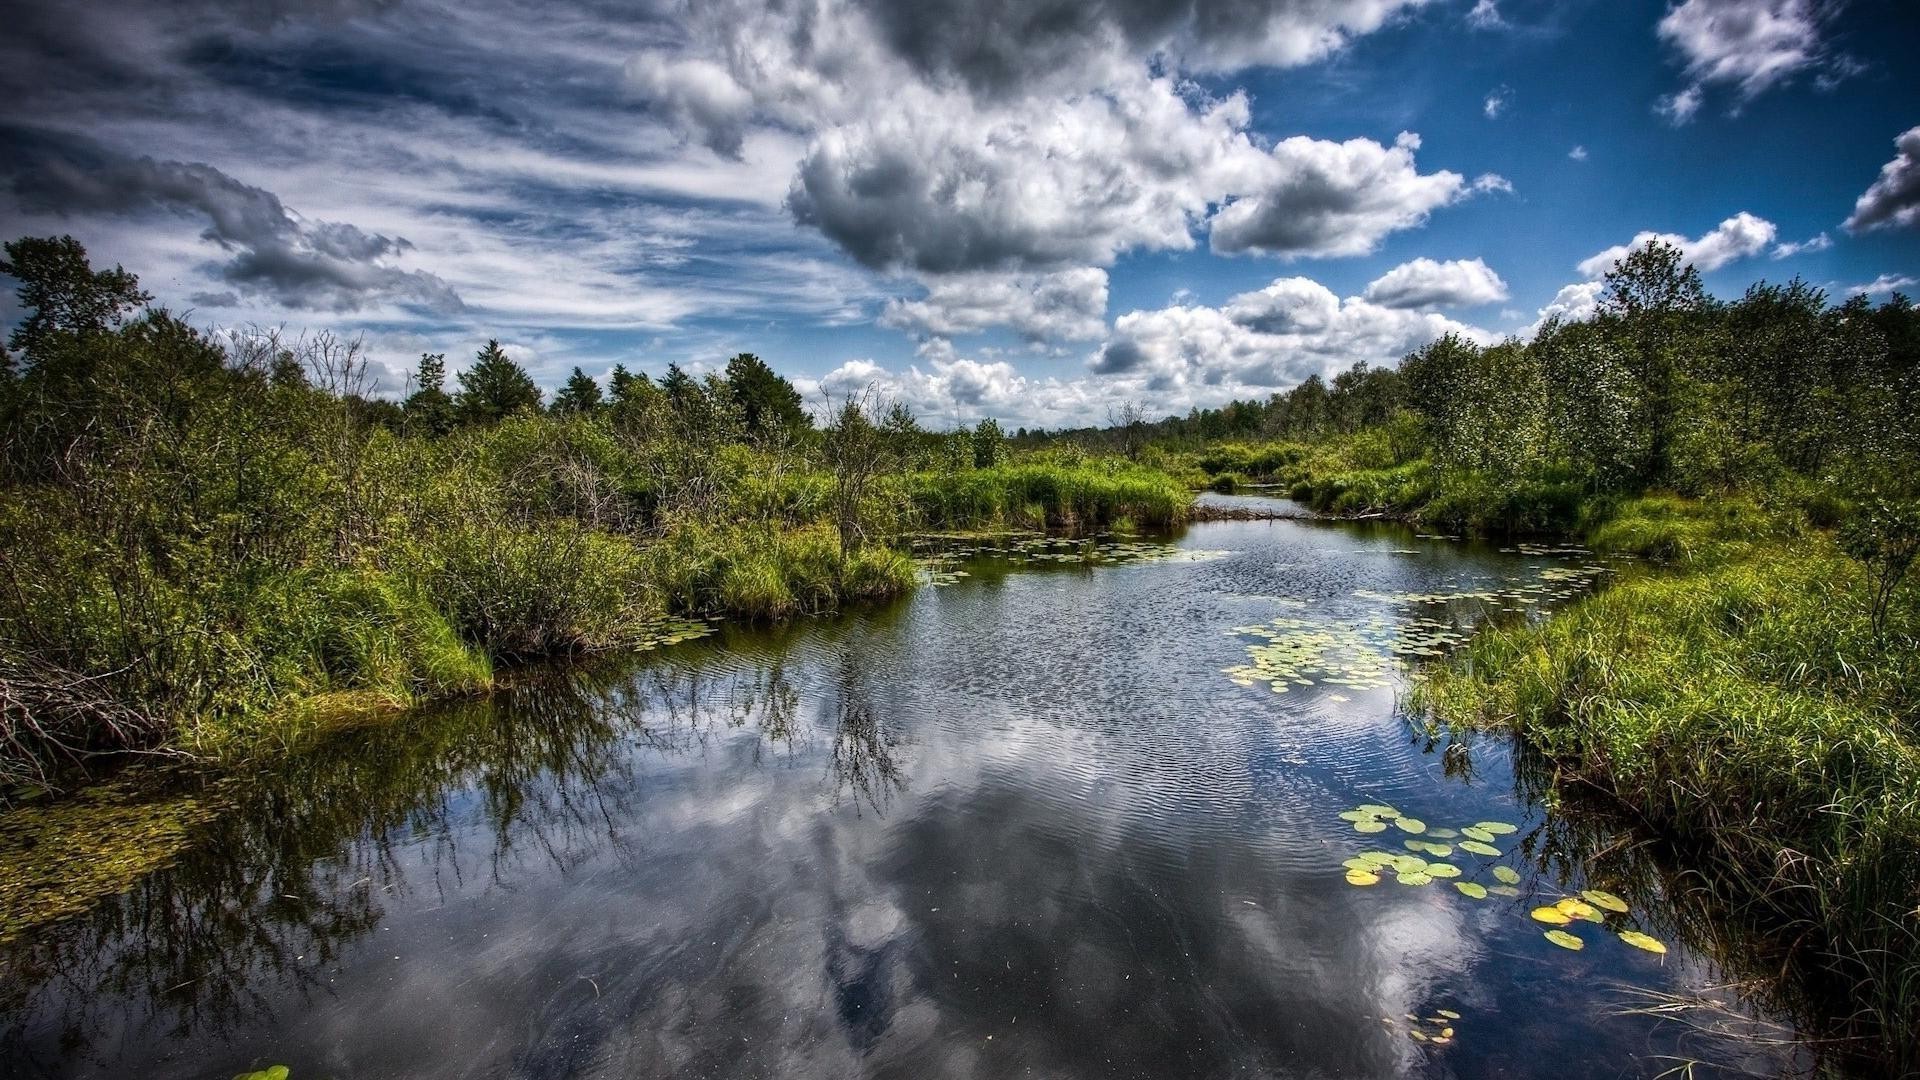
(1694, 612)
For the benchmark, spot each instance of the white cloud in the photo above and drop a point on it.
(1788, 250)
(1748, 44)
(1485, 15)
(1573, 303)
(1320, 198)
(1578, 153)
(1739, 236)
(1497, 101)
(1894, 199)
(1885, 283)
(1175, 358)
(1069, 305)
(1425, 284)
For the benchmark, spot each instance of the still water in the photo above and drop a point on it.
(1049, 818)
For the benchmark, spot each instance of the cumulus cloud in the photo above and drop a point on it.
(1425, 284)
(1894, 199)
(1265, 340)
(1069, 305)
(270, 250)
(1738, 237)
(1577, 302)
(1322, 198)
(1749, 45)
(1497, 101)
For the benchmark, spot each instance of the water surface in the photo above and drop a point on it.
(1038, 821)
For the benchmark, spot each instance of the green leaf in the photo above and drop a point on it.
(1472, 888)
(1479, 848)
(1603, 899)
(1641, 941)
(1507, 875)
(1565, 940)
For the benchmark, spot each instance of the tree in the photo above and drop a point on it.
(63, 293)
(495, 387)
(1885, 535)
(429, 408)
(1652, 304)
(856, 449)
(580, 395)
(768, 404)
(989, 444)
(1129, 422)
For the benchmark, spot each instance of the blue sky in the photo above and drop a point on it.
(1030, 209)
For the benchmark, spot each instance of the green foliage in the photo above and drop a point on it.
(1884, 535)
(768, 405)
(494, 388)
(64, 297)
(580, 394)
(1745, 708)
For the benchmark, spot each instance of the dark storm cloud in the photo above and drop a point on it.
(999, 46)
(275, 253)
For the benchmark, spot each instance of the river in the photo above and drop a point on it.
(1051, 817)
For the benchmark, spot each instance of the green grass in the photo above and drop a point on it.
(1741, 706)
(1048, 495)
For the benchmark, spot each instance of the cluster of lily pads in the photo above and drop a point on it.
(940, 565)
(1300, 652)
(1437, 1029)
(673, 632)
(1369, 867)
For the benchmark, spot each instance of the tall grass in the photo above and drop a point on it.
(1049, 495)
(1742, 706)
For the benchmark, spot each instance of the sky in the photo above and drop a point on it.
(1035, 210)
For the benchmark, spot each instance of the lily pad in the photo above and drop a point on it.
(1443, 834)
(1601, 898)
(1362, 877)
(1507, 875)
(1369, 826)
(1474, 832)
(1498, 828)
(1419, 877)
(1641, 941)
(1442, 870)
(1478, 848)
(1377, 858)
(1578, 909)
(1448, 1013)
(1378, 810)
(1412, 825)
(1565, 940)
(1503, 890)
(1357, 863)
(1553, 916)
(1471, 889)
(1355, 815)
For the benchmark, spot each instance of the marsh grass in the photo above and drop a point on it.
(1740, 705)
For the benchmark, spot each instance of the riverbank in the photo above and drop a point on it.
(1734, 695)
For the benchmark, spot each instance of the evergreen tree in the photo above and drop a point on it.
(429, 408)
(580, 395)
(767, 403)
(495, 387)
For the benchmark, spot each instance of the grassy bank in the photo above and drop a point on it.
(1735, 696)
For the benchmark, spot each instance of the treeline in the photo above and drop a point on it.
(211, 539)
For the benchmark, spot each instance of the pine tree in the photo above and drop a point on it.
(768, 404)
(495, 387)
(580, 395)
(429, 409)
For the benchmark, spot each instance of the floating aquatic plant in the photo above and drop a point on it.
(1565, 940)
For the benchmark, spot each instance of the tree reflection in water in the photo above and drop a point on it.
(271, 894)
